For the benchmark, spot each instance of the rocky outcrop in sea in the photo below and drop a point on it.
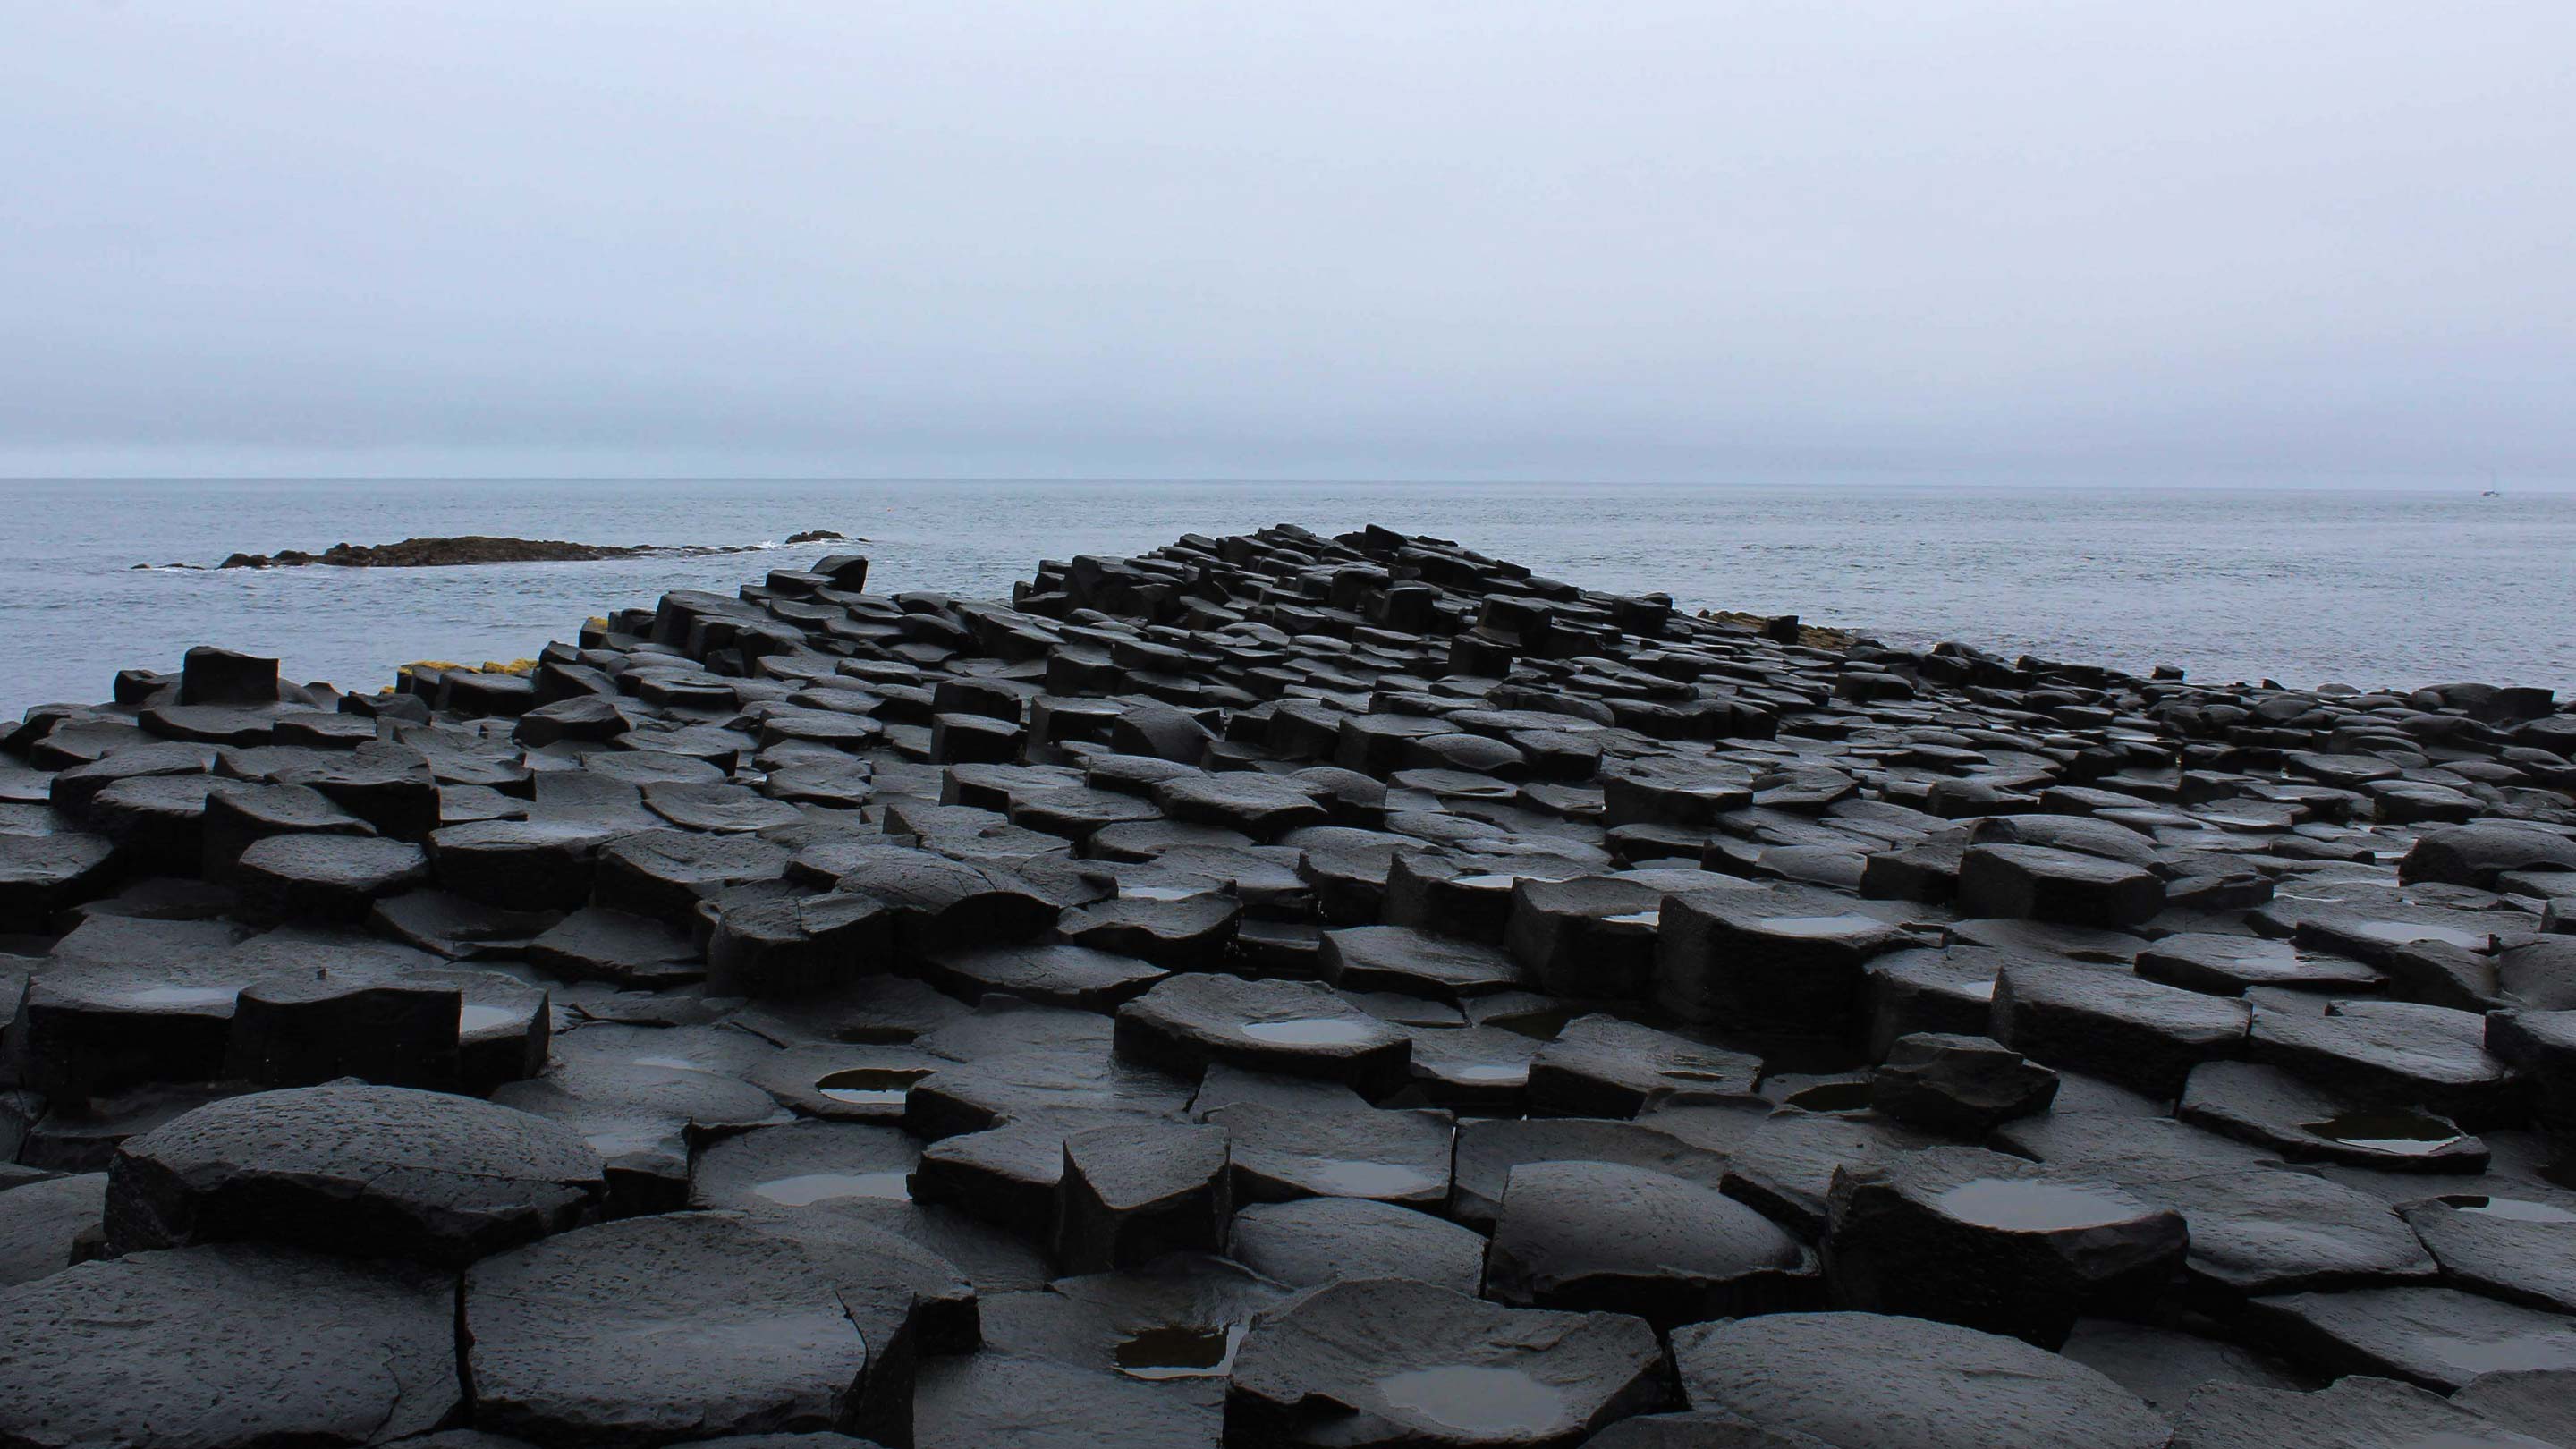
(476, 548)
(1283, 990)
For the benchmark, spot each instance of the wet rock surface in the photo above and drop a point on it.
(1280, 989)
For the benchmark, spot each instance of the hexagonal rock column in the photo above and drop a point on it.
(1993, 1242)
(2039, 883)
(1765, 964)
(358, 1170)
(2354, 1410)
(684, 1325)
(1294, 1028)
(2114, 1025)
(1601, 1237)
(1385, 1361)
(1905, 1383)
(237, 1344)
(1134, 1191)
(1959, 1084)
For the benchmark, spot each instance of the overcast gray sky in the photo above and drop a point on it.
(1383, 239)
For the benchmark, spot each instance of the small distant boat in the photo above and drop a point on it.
(2492, 493)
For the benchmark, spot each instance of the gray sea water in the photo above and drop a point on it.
(2371, 588)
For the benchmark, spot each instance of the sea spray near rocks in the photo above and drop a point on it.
(951, 950)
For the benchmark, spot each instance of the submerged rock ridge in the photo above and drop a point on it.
(422, 553)
(1283, 990)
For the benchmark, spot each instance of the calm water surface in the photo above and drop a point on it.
(2368, 588)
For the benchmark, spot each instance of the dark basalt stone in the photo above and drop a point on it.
(1790, 963)
(1009, 1060)
(357, 1170)
(803, 1166)
(1994, 1243)
(612, 946)
(222, 676)
(2396, 1054)
(1398, 959)
(1049, 974)
(41, 874)
(2224, 965)
(2529, 1401)
(1290, 1148)
(2132, 1031)
(2438, 1338)
(2164, 1366)
(937, 904)
(2273, 1109)
(799, 945)
(1312, 1241)
(2354, 1410)
(1190, 933)
(45, 1224)
(1490, 1150)
(240, 1344)
(666, 873)
(2520, 1247)
(1905, 1383)
(519, 865)
(1958, 1084)
(1601, 1237)
(2255, 1227)
(376, 1012)
(789, 1331)
(1602, 1066)
(323, 877)
(1292, 1028)
(639, 1114)
(2046, 884)
(240, 816)
(125, 1001)
(463, 549)
(1394, 1362)
(1136, 1191)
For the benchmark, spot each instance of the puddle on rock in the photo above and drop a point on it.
(1160, 892)
(807, 1188)
(2025, 1204)
(1635, 918)
(2504, 1355)
(2403, 1134)
(2514, 1209)
(1179, 1353)
(471, 1018)
(1477, 1400)
(177, 996)
(2400, 933)
(1488, 882)
(1312, 1031)
(870, 1086)
(1832, 1097)
(1371, 1179)
(1820, 927)
(1491, 1074)
(677, 1064)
